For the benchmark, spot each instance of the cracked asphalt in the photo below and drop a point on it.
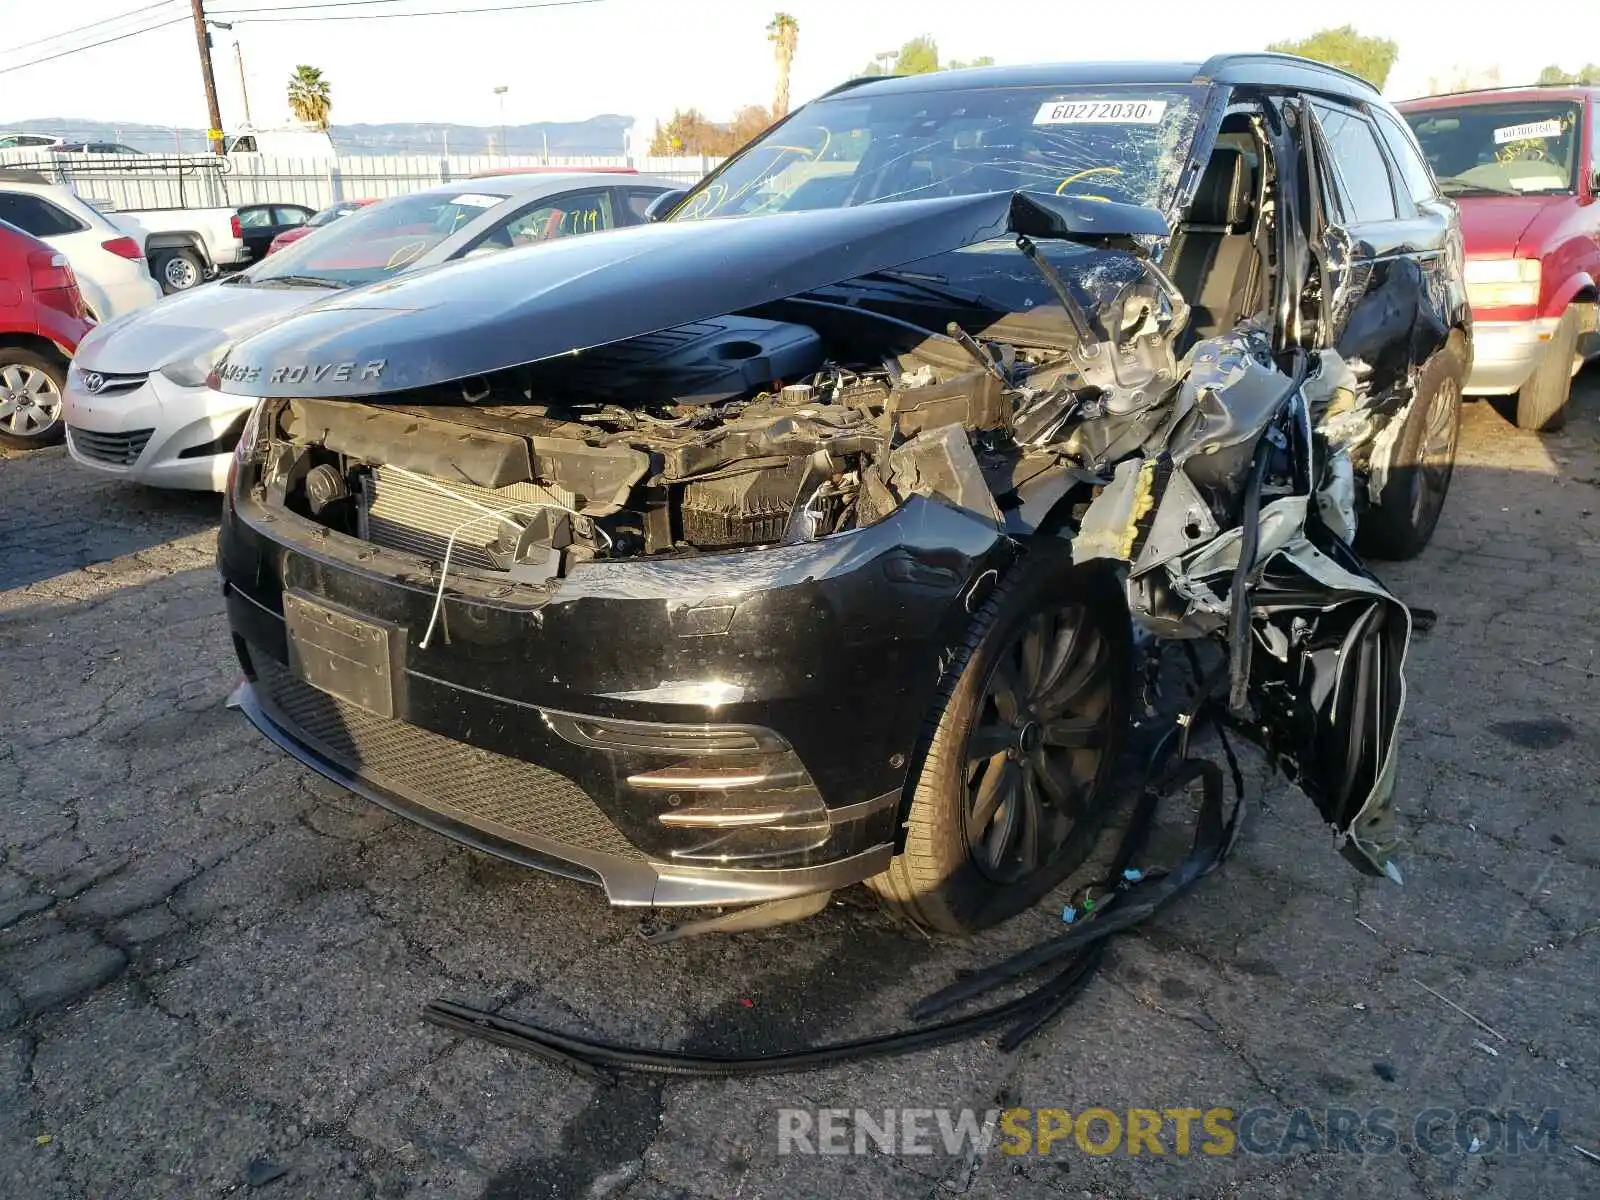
(211, 962)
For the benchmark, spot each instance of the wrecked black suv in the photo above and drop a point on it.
(791, 540)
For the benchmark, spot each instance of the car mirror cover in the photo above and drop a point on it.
(1046, 215)
(664, 204)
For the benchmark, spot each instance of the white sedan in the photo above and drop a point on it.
(136, 401)
(107, 259)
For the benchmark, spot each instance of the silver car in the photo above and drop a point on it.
(136, 401)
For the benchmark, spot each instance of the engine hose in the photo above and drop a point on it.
(1126, 898)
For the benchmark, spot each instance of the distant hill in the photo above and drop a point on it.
(601, 135)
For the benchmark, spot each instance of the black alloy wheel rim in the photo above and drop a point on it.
(1438, 454)
(1034, 752)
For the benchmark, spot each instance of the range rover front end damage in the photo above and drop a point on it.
(644, 557)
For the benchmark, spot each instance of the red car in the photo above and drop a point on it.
(326, 217)
(1522, 165)
(41, 322)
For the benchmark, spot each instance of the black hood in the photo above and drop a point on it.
(479, 316)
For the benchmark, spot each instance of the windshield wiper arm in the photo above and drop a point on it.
(300, 281)
(1455, 184)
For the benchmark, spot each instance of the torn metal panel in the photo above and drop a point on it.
(940, 464)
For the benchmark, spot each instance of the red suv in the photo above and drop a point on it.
(1522, 164)
(41, 322)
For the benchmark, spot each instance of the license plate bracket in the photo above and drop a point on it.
(353, 658)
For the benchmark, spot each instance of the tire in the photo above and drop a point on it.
(178, 271)
(30, 398)
(960, 872)
(1542, 402)
(1402, 523)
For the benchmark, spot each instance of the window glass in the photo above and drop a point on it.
(580, 212)
(1121, 143)
(291, 216)
(1413, 170)
(39, 217)
(1503, 148)
(381, 240)
(1358, 165)
(255, 218)
(640, 202)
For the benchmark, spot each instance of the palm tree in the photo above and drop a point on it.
(308, 96)
(784, 34)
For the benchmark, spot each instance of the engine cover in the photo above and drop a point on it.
(699, 363)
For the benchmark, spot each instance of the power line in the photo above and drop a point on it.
(277, 8)
(386, 16)
(92, 45)
(92, 25)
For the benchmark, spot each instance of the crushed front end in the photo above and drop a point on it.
(673, 612)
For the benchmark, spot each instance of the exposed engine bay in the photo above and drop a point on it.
(1206, 478)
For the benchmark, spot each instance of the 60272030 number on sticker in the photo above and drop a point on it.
(1100, 112)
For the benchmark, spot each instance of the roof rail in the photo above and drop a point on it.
(1220, 62)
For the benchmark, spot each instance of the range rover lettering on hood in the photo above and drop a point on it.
(348, 371)
(562, 297)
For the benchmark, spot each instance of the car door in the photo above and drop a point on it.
(1372, 243)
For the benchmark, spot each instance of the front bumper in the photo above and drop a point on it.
(1505, 353)
(833, 648)
(158, 432)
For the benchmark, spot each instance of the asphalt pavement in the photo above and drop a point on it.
(212, 962)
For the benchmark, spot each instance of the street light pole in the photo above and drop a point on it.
(244, 88)
(501, 92)
(883, 60)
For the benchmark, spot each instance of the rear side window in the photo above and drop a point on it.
(1403, 146)
(37, 216)
(1358, 163)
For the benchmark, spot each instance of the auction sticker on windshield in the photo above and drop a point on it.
(476, 200)
(1100, 112)
(1532, 129)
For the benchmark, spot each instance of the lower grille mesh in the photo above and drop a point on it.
(118, 449)
(451, 777)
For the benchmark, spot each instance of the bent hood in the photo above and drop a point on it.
(520, 306)
(187, 325)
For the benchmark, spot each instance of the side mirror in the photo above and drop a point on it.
(664, 204)
(1045, 215)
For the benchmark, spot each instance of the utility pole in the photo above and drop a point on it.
(501, 92)
(202, 38)
(244, 89)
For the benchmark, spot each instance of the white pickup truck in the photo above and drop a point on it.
(187, 246)
(184, 245)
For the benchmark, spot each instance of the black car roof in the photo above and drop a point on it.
(1263, 69)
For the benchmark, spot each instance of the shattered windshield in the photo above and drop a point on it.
(1501, 149)
(1123, 143)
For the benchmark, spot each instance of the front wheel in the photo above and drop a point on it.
(179, 270)
(30, 398)
(1013, 787)
(1401, 524)
(1542, 401)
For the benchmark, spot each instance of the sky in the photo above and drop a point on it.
(645, 57)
